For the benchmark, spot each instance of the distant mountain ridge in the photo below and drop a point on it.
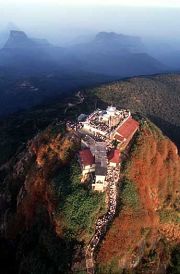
(18, 39)
(4, 34)
(130, 43)
(110, 54)
(107, 57)
(116, 54)
(27, 55)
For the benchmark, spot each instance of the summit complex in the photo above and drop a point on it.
(104, 135)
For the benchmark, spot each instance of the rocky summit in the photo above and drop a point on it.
(131, 43)
(18, 39)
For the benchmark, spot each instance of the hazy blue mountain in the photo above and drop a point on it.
(4, 34)
(108, 53)
(30, 56)
(172, 59)
(41, 42)
(33, 71)
(167, 52)
(116, 54)
(112, 41)
(18, 39)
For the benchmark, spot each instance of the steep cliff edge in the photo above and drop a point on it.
(147, 225)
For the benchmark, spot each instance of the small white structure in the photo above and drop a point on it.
(98, 186)
(111, 111)
(100, 177)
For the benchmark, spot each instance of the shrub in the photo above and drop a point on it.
(129, 195)
(110, 268)
(78, 207)
(169, 216)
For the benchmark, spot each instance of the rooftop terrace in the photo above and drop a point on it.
(104, 122)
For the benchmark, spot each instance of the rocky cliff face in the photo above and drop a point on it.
(147, 223)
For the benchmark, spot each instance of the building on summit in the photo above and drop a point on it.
(125, 132)
(100, 154)
(98, 132)
(102, 123)
(114, 158)
(87, 161)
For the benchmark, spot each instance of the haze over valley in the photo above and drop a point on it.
(33, 70)
(66, 47)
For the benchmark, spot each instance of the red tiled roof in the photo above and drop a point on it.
(128, 128)
(119, 138)
(86, 157)
(114, 156)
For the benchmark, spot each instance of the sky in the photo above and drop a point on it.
(63, 20)
(162, 3)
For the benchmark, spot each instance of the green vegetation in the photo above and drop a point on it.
(129, 194)
(169, 216)
(78, 206)
(80, 211)
(109, 268)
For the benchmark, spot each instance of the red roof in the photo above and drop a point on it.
(119, 138)
(114, 156)
(128, 128)
(86, 157)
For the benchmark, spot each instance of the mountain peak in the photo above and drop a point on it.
(107, 35)
(18, 39)
(17, 34)
(120, 41)
(117, 37)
